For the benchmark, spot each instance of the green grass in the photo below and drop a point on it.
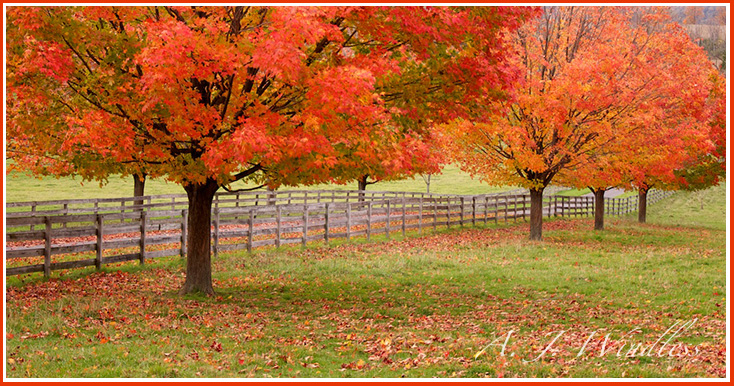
(21, 187)
(705, 208)
(573, 192)
(423, 306)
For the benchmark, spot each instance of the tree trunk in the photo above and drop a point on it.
(599, 209)
(642, 206)
(362, 186)
(198, 252)
(427, 180)
(536, 214)
(139, 189)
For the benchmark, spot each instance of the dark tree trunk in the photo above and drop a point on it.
(362, 186)
(536, 214)
(599, 209)
(642, 205)
(198, 252)
(139, 189)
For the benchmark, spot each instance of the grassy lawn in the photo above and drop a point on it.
(21, 187)
(435, 305)
(573, 192)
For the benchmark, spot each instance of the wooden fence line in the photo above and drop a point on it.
(158, 231)
(223, 199)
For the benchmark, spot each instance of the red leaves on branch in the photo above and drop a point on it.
(196, 94)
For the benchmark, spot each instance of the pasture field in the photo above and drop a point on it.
(21, 187)
(636, 300)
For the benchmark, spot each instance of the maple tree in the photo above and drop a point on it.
(685, 151)
(671, 147)
(592, 76)
(206, 96)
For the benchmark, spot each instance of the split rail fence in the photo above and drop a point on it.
(54, 235)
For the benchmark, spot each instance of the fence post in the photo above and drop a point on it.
(474, 211)
(184, 230)
(448, 212)
(524, 207)
(237, 204)
(486, 209)
(33, 214)
(215, 245)
(66, 212)
(420, 214)
(142, 236)
(250, 226)
(100, 235)
(326, 224)
(387, 220)
(349, 219)
(435, 213)
(461, 215)
(47, 248)
(305, 225)
(369, 220)
(277, 225)
(404, 209)
(496, 209)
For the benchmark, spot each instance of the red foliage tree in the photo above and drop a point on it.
(661, 140)
(206, 96)
(684, 148)
(590, 73)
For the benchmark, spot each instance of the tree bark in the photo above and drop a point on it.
(536, 214)
(642, 205)
(198, 252)
(362, 186)
(599, 209)
(139, 189)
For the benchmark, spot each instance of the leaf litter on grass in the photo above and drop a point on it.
(466, 289)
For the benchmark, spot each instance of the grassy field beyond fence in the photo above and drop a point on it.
(20, 187)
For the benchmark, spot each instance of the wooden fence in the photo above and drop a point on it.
(44, 239)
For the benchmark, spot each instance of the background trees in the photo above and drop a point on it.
(592, 76)
(206, 96)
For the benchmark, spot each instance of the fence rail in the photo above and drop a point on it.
(88, 233)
